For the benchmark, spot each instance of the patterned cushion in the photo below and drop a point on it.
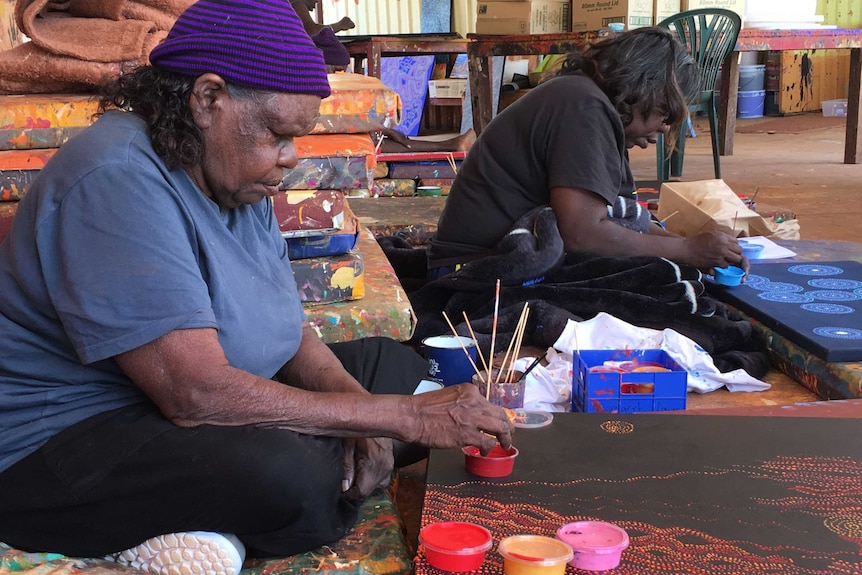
(375, 546)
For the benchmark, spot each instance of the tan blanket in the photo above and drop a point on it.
(77, 44)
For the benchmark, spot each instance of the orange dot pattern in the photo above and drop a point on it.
(822, 487)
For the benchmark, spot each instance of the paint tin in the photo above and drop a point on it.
(429, 191)
(426, 385)
(447, 363)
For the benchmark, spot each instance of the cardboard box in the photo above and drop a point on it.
(597, 14)
(447, 88)
(665, 9)
(737, 6)
(536, 17)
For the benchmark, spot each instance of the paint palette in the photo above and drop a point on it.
(530, 419)
(817, 305)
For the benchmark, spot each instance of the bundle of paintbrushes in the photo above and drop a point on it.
(501, 385)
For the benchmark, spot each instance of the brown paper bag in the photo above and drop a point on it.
(691, 208)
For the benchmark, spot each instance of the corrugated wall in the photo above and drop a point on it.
(377, 17)
(395, 16)
(464, 16)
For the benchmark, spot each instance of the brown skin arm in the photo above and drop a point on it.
(582, 218)
(187, 375)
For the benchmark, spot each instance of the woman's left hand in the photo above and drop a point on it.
(368, 464)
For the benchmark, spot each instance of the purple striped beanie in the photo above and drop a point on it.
(257, 44)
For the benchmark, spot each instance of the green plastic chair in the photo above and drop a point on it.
(710, 35)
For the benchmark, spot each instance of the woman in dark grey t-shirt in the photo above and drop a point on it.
(565, 144)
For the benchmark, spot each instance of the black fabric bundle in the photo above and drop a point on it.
(532, 265)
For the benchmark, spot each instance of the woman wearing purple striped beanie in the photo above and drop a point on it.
(164, 400)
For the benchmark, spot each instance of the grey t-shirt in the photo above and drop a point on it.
(110, 250)
(564, 133)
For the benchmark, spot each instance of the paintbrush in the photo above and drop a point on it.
(752, 203)
(493, 334)
(476, 343)
(451, 158)
(669, 217)
(379, 143)
(532, 366)
(464, 348)
(733, 227)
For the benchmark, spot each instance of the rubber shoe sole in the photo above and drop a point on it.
(190, 553)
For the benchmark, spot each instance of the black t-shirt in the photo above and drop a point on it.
(564, 133)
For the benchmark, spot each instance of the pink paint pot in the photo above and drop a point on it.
(534, 555)
(598, 546)
(498, 463)
(455, 546)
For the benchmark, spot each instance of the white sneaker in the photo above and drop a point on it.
(189, 553)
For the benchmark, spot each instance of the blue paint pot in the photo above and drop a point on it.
(750, 250)
(729, 276)
(447, 362)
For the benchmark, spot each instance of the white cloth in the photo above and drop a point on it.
(608, 332)
(548, 387)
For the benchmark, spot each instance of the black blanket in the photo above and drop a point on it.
(533, 267)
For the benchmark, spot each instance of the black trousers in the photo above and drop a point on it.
(121, 477)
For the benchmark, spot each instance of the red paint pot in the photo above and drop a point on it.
(455, 546)
(498, 463)
(598, 546)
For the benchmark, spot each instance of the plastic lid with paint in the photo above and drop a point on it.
(527, 418)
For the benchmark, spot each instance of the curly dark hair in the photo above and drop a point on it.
(646, 69)
(161, 98)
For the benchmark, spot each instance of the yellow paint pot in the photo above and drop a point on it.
(534, 555)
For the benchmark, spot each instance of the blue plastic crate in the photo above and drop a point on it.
(629, 392)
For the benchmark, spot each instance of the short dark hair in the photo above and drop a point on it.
(161, 98)
(645, 69)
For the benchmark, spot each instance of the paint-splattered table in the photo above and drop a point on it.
(707, 494)
(368, 50)
(412, 219)
(482, 47)
(383, 311)
(756, 40)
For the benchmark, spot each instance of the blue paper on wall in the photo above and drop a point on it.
(408, 76)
